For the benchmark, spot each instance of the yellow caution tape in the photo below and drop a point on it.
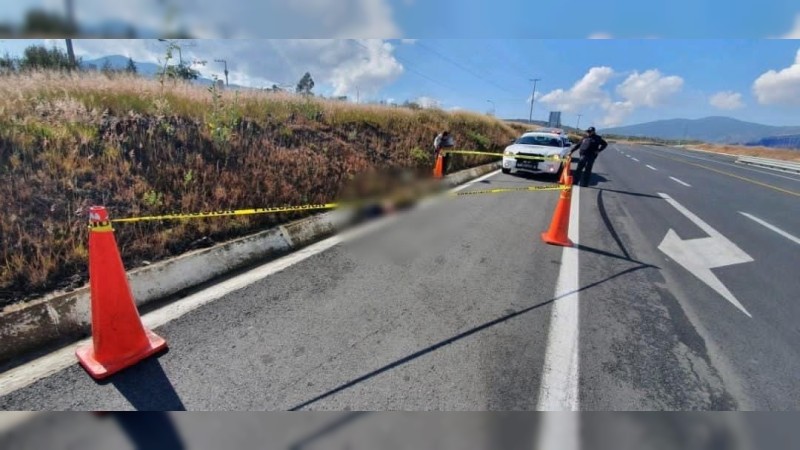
(553, 187)
(536, 158)
(105, 226)
(236, 212)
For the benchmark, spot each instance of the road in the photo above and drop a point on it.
(458, 305)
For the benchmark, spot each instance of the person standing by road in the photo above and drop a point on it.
(590, 146)
(443, 140)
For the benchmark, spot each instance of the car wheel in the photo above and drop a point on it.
(506, 170)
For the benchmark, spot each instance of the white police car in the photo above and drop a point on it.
(549, 145)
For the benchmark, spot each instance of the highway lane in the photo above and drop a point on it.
(757, 357)
(449, 307)
(367, 315)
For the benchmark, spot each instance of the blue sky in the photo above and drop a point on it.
(624, 81)
(514, 19)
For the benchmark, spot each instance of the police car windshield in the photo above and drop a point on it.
(540, 140)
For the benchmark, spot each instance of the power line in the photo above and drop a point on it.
(411, 69)
(463, 67)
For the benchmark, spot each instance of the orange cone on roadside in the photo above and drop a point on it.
(119, 339)
(559, 226)
(438, 167)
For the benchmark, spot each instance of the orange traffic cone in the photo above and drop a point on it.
(566, 171)
(438, 168)
(119, 339)
(559, 226)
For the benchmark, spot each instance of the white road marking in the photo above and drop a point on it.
(680, 182)
(559, 430)
(24, 375)
(635, 159)
(651, 167)
(739, 166)
(794, 239)
(699, 256)
(558, 390)
(12, 419)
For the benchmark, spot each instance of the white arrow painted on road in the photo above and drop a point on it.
(699, 256)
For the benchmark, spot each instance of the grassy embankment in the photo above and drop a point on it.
(139, 147)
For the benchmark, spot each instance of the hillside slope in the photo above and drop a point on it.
(141, 148)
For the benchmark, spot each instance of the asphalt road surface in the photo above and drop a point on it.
(681, 294)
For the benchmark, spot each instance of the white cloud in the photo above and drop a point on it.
(344, 66)
(368, 73)
(794, 33)
(617, 112)
(538, 97)
(427, 102)
(600, 35)
(210, 19)
(649, 88)
(779, 87)
(726, 100)
(587, 91)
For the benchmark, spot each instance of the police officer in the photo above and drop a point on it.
(443, 140)
(590, 146)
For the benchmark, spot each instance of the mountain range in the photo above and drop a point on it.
(146, 69)
(715, 129)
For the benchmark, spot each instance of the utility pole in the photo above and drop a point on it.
(226, 69)
(493, 107)
(71, 21)
(533, 97)
(578, 126)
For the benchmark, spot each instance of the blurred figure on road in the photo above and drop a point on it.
(590, 146)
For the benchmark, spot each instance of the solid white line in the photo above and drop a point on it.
(635, 159)
(681, 182)
(24, 375)
(794, 239)
(651, 167)
(559, 430)
(558, 390)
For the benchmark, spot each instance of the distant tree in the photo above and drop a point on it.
(42, 23)
(40, 57)
(183, 72)
(107, 69)
(305, 85)
(7, 64)
(412, 105)
(131, 67)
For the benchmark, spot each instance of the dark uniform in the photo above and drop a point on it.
(590, 147)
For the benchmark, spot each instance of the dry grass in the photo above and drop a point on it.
(70, 141)
(760, 152)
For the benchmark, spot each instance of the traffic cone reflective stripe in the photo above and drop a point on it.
(119, 339)
(559, 226)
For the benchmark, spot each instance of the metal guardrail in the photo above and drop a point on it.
(770, 163)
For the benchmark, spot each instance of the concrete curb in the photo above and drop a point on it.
(62, 318)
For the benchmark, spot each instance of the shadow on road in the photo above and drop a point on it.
(147, 387)
(332, 427)
(150, 430)
(585, 248)
(456, 338)
(635, 194)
